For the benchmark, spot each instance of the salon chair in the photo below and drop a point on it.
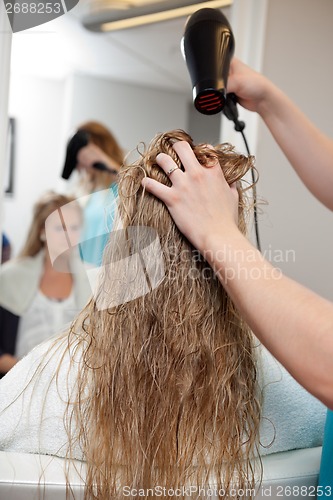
(292, 474)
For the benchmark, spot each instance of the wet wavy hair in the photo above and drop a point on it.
(167, 390)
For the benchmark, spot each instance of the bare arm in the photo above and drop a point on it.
(308, 150)
(7, 361)
(295, 324)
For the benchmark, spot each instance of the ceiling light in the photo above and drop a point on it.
(113, 16)
(121, 4)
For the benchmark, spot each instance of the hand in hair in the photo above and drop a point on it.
(192, 198)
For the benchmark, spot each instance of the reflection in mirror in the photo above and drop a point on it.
(133, 81)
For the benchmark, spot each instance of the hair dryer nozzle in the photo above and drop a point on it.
(208, 99)
(208, 46)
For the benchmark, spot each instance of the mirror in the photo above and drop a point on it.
(134, 81)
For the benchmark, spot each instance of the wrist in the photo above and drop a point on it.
(236, 260)
(270, 100)
(219, 248)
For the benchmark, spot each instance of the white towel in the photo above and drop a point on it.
(32, 406)
(292, 418)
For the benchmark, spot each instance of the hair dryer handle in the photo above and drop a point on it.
(230, 110)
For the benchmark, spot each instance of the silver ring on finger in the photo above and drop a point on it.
(172, 170)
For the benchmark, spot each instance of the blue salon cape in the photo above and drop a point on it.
(98, 219)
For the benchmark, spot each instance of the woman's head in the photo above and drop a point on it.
(146, 222)
(55, 217)
(234, 165)
(102, 137)
(172, 398)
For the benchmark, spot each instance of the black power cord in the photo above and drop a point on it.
(231, 112)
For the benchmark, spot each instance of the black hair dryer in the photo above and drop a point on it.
(208, 46)
(79, 140)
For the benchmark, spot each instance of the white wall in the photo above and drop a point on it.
(297, 57)
(134, 113)
(47, 111)
(37, 106)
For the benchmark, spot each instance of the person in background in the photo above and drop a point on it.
(159, 381)
(6, 249)
(294, 323)
(97, 190)
(43, 288)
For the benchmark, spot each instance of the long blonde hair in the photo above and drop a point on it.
(167, 393)
(46, 204)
